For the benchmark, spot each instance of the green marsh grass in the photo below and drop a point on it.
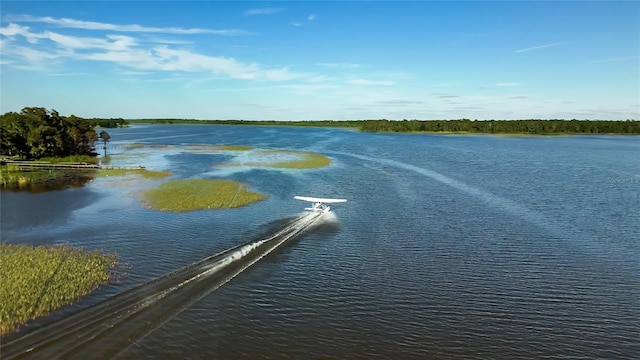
(199, 194)
(305, 160)
(18, 179)
(38, 280)
(132, 146)
(73, 159)
(235, 147)
(147, 174)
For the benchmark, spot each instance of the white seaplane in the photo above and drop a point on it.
(319, 204)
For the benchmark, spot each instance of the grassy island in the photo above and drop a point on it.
(199, 194)
(147, 174)
(299, 159)
(38, 280)
(282, 159)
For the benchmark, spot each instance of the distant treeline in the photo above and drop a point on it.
(36, 132)
(542, 127)
(109, 123)
(318, 123)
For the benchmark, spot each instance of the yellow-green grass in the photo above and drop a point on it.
(304, 159)
(38, 280)
(132, 146)
(147, 174)
(72, 159)
(235, 147)
(15, 177)
(199, 194)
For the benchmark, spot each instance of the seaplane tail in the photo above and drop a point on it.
(319, 204)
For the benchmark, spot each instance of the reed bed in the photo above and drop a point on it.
(147, 174)
(38, 280)
(304, 159)
(199, 194)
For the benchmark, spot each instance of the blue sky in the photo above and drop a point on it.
(310, 60)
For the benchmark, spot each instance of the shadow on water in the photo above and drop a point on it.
(109, 327)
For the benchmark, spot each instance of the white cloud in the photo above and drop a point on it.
(128, 52)
(541, 47)
(91, 25)
(311, 17)
(296, 24)
(366, 82)
(30, 55)
(615, 59)
(263, 11)
(14, 29)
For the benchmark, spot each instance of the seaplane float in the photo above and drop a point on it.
(319, 204)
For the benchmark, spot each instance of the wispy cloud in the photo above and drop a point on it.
(615, 59)
(541, 46)
(263, 11)
(41, 48)
(506, 84)
(366, 82)
(296, 24)
(311, 17)
(91, 25)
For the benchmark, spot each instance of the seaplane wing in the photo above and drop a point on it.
(319, 200)
(319, 204)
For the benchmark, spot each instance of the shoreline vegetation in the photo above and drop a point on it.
(549, 127)
(38, 180)
(38, 280)
(15, 178)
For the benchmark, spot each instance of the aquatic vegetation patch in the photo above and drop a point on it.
(38, 280)
(297, 159)
(20, 179)
(132, 146)
(199, 194)
(279, 159)
(147, 174)
(235, 147)
(72, 159)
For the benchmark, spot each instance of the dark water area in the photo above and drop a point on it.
(449, 247)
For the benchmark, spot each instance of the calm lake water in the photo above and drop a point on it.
(451, 247)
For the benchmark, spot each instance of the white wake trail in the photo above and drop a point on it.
(488, 198)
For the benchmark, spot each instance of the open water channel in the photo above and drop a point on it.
(449, 247)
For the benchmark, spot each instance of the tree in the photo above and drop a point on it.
(37, 132)
(105, 139)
